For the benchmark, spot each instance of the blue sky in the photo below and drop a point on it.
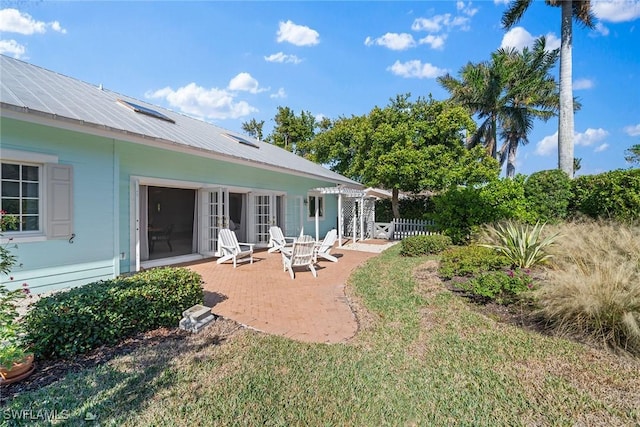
(228, 62)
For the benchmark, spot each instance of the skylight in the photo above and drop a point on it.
(146, 111)
(241, 140)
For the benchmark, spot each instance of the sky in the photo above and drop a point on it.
(230, 62)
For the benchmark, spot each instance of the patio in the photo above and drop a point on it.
(263, 297)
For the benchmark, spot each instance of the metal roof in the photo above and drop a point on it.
(33, 92)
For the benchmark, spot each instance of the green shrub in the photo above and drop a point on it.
(499, 286)
(415, 207)
(522, 244)
(593, 291)
(548, 194)
(105, 312)
(461, 211)
(424, 245)
(609, 195)
(469, 261)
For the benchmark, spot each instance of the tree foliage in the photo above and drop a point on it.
(405, 146)
(632, 154)
(580, 10)
(253, 128)
(293, 133)
(507, 93)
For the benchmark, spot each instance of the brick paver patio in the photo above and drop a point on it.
(262, 296)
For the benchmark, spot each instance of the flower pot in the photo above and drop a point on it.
(19, 370)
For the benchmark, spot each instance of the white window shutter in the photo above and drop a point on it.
(59, 210)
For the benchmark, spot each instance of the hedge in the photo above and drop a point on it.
(105, 312)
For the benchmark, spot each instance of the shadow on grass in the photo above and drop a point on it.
(112, 385)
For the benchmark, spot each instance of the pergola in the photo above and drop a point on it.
(342, 192)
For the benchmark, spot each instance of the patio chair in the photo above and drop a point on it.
(277, 240)
(323, 249)
(159, 236)
(230, 248)
(301, 254)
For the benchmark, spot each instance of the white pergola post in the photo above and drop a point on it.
(340, 219)
(361, 218)
(317, 218)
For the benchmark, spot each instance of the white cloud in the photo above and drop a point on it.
(590, 137)
(633, 130)
(580, 84)
(549, 144)
(298, 35)
(279, 94)
(13, 48)
(416, 69)
(599, 28)
(14, 21)
(282, 57)
(616, 10)
(436, 42)
(466, 8)
(438, 23)
(245, 82)
(601, 148)
(518, 38)
(501, 1)
(393, 41)
(211, 103)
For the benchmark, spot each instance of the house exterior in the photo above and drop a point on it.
(104, 184)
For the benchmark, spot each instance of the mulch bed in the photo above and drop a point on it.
(49, 371)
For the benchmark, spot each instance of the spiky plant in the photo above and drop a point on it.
(523, 244)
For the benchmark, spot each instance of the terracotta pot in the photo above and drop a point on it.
(19, 370)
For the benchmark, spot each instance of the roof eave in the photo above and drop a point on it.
(26, 114)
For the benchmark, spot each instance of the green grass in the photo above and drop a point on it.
(421, 357)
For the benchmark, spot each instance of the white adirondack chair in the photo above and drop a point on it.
(230, 248)
(323, 249)
(301, 254)
(277, 240)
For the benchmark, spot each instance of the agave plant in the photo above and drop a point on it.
(522, 244)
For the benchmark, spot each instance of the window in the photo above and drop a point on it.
(39, 192)
(241, 140)
(146, 111)
(21, 194)
(312, 202)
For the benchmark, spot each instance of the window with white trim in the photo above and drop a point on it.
(312, 202)
(21, 194)
(39, 193)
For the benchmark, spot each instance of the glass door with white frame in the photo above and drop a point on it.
(214, 216)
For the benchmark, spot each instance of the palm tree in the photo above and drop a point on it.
(479, 90)
(509, 92)
(571, 9)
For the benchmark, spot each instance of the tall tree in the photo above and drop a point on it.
(580, 10)
(253, 128)
(507, 94)
(291, 132)
(405, 146)
(531, 93)
(632, 154)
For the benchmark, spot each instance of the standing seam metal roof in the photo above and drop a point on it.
(34, 89)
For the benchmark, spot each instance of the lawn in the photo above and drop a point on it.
(423, 356)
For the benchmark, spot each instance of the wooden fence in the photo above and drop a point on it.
(400, 228)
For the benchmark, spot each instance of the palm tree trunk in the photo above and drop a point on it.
(565, 117)
(511, 160)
